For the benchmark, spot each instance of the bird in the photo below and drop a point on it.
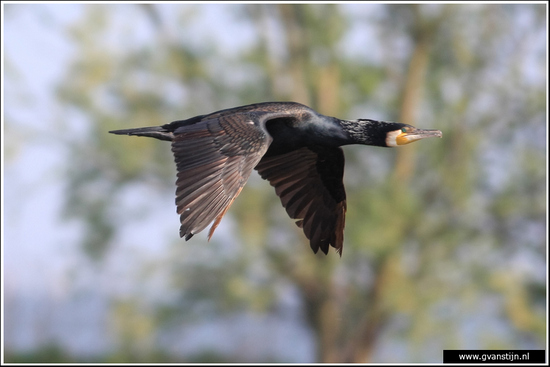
(296, 149)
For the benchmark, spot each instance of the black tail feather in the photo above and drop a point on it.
(157, 132)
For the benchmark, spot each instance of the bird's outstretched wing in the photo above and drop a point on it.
(309, 182)
(214, 159)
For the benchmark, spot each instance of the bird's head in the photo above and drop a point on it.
(401, 134)
(384, 134)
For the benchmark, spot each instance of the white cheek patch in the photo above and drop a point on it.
(391, 138)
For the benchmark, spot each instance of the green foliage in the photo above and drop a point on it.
(51, 354)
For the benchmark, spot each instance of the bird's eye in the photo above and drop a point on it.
(404, 130)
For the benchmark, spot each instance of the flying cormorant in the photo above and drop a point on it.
(293, 147)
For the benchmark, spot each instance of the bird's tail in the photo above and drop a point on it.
(157, 132)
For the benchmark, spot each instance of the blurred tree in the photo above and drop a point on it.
(430, 237)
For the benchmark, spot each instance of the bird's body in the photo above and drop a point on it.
(293, 147)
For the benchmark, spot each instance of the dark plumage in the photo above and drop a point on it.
(293, 147)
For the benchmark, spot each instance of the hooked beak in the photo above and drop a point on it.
(417, 134)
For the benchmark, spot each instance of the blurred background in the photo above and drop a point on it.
(445, 239)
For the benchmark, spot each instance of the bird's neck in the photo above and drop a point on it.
(365, 131)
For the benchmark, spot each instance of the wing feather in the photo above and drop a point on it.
(213, 165)
(309, 183)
